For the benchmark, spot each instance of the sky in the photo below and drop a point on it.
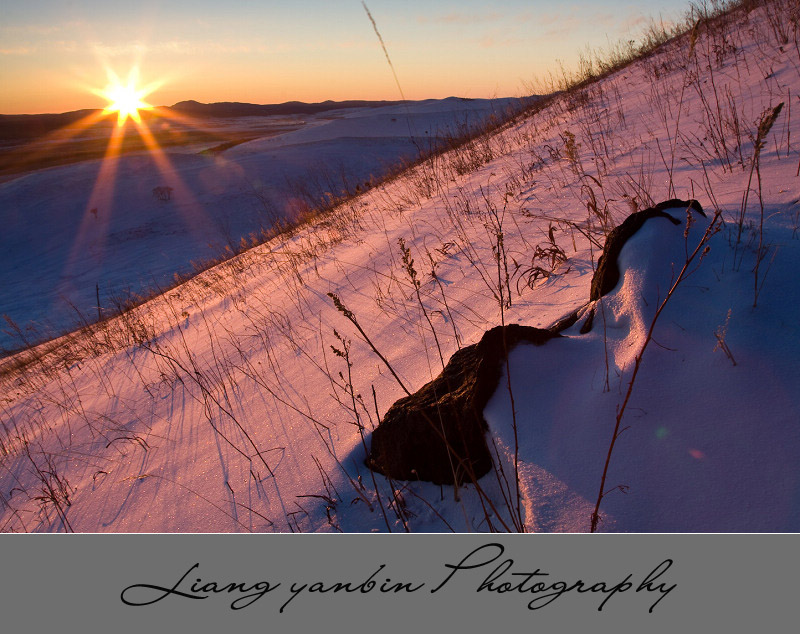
(54, 52)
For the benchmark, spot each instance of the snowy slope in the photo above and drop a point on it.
(242, 400)
(217, 200)
(708, 445)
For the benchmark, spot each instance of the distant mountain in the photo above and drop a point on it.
(24, 127)
(236, 109)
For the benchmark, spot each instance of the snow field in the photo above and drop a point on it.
(222, 406)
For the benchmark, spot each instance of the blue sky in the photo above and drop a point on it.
(53, 52)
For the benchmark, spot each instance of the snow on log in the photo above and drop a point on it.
(412, 440)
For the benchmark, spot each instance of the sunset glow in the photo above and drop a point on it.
(273, 52)
(125, 100)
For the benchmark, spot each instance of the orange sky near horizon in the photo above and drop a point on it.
(53, 54)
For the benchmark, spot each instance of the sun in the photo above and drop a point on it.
(125, 99)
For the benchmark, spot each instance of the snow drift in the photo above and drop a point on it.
(244, 399)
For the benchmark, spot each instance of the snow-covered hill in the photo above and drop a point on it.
(76, 231)
(243, 399)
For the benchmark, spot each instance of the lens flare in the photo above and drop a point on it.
(125, 99)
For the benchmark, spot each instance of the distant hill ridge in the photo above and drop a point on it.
(237, 109)
(29, 126)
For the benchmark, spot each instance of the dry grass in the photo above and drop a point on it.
(499, 217)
